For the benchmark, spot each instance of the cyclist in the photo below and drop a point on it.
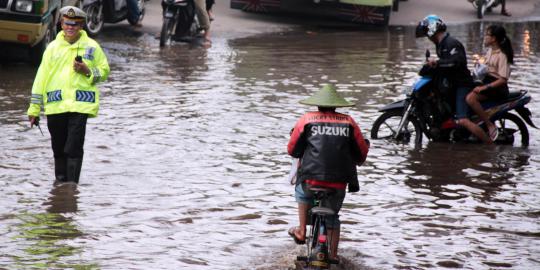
(330, 145)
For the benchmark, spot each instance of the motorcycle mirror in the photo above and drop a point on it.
(427, 54)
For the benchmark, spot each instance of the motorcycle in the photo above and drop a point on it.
(481, 6)
(179, 21)
(424, 111)
(99, 12)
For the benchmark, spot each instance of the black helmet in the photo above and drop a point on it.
(429, 26)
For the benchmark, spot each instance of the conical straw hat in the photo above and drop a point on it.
(327, 97)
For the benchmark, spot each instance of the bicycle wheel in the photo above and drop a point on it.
(317, 256)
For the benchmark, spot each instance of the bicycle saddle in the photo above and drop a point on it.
(321, 189)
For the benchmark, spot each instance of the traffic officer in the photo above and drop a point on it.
(65, 85)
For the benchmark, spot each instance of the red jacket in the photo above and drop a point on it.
(330, 145)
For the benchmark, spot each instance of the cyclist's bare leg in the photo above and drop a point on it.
(302, 217)
(334, 242)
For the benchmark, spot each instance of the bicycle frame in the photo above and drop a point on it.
(317, 247)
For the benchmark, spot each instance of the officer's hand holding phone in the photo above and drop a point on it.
(80, 66)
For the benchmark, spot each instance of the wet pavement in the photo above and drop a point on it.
(185, 167)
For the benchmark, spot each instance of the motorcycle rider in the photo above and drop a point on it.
(452, 66)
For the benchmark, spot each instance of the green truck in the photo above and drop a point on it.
(29, 23)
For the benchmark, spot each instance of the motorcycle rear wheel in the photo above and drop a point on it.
(508, 126)
(385, 127)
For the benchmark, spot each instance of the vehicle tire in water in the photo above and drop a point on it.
(512, 130)
(166, 31)
(386, 125)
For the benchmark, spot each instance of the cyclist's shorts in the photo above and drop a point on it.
(334, 202)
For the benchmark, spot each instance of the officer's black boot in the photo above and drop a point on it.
(60, 169)
(74, 169)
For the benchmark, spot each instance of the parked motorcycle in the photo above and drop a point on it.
(179, 21)
(99, 12)
(481, 6)
(425, 112)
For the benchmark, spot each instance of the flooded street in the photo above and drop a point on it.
(185, 167)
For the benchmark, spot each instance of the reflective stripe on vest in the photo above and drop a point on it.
(36, 99)
(54, 96)
(85, 96)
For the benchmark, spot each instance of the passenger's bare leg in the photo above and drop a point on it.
(474, 129)
(473, 99)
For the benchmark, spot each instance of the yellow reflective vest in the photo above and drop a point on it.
(59, 88)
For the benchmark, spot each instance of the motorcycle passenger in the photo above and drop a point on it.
(498, 59)
(452, 67)
(330, 145)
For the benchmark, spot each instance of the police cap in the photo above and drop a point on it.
(72, 15)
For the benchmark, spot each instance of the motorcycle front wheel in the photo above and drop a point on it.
(385, 127)
(512, 131)
(166, 31)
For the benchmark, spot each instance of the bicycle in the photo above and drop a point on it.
(317, 240)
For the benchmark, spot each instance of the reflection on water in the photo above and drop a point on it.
(185, 166)
(46, 235)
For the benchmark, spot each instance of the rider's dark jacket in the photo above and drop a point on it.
(329, 146)
(452, 62)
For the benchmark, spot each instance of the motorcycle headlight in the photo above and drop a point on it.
(23, 6)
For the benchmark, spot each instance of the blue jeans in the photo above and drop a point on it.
(462, 109)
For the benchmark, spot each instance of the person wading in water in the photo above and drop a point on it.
(65, 86)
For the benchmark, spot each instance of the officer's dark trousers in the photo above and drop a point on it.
(67, 139)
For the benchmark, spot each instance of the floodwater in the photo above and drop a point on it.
(185, 167)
